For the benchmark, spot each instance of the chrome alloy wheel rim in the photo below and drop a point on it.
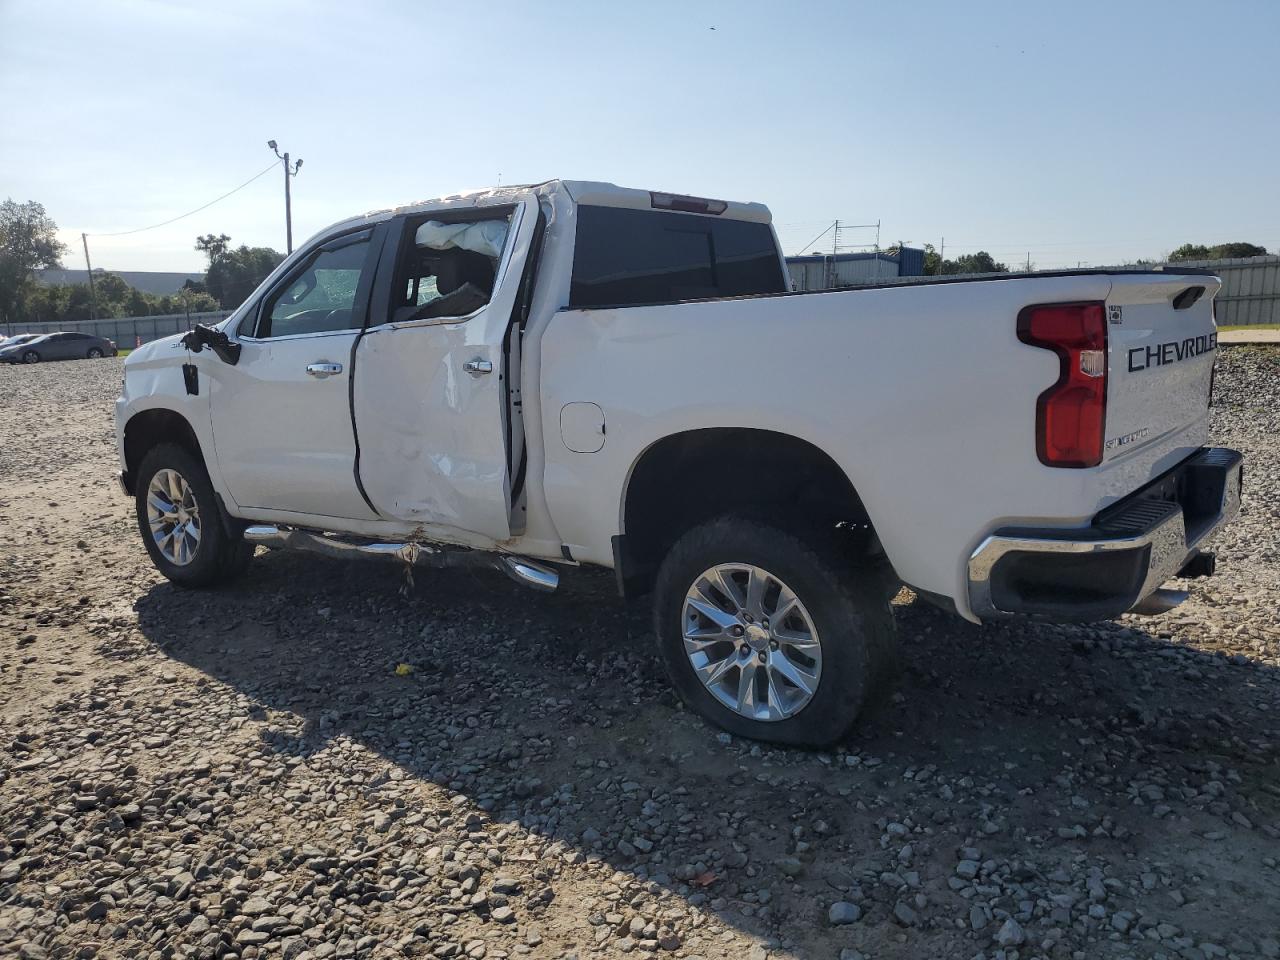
(751, 642)
(173, 516)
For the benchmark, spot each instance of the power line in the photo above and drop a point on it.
(189, 213)
(817, 238)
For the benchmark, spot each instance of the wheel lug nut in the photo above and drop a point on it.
(737, 631)
(762, 657)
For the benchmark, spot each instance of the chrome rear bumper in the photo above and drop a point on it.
(1116, 562)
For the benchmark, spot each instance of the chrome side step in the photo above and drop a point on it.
(1160, 601)
(532, 575)
(519, 569)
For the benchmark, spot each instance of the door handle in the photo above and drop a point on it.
(323, 370)
(478, 367)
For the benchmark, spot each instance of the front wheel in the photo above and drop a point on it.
(31, 357)
(771, 636)
(94, 353)
(181, 521)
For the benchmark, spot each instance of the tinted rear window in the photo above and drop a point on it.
(633, 257)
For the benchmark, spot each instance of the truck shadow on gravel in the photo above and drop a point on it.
(1060, 752)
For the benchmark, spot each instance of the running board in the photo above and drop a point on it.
(1160, 601)
(519, 569)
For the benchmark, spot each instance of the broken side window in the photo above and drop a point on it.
(449, 269)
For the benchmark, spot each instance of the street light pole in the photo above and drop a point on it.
(289, 171)
(93, 299)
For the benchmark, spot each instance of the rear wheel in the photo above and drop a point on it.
(94, 353)
(771, 636)
(31, 357)
(181, 521)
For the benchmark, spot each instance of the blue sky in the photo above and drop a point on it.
(1075, 132)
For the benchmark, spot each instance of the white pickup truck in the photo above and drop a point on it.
(539, 377)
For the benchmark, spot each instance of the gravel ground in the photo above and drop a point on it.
(244, 773)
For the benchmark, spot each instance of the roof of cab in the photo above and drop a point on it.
(583, 192)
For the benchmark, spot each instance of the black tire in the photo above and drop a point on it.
(219, 556)
(94, 353)
(846, 602)
(31, 357)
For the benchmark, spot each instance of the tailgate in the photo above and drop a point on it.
(1162, 341)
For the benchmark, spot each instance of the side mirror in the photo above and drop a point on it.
(202, 336)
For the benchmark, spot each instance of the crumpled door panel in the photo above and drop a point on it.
(432, 436)
(427, 429)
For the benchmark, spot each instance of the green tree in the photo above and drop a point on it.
(1222, 251)
(46, 304)
(115, 298)
(213, 245)
(110, 287)
(980, 262)
(77, 303)
(932, 262)
(934, 265)
(236, 273)
(1190, 251)
(137, 304)
(1225, 251)
(28, 242)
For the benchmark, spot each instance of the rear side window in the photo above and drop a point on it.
(633, 257)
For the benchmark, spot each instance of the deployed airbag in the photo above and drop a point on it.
(484, 236)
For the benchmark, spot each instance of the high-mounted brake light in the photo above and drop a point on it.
(1071, 416)
(676, 201)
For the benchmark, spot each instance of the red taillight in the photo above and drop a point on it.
(1071, 416)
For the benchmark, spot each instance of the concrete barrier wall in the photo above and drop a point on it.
(1250, 291)
(127, 332)
(1250, 286)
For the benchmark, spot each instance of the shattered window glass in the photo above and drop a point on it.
(450, 269)
(322, 298)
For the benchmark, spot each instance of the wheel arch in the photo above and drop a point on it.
(156, 425)
(691, 476)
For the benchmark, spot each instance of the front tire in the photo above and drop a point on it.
(771, 636)
(181, 520)
(94, 353)
(31, 357)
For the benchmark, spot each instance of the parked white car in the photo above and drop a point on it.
(540, 377)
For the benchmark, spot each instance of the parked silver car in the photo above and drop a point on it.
(56, 346)
(17, 339)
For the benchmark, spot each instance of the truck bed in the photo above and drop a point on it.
(921, 392)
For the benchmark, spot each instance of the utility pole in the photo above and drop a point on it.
(289, 172)
(835, 247)
(93, 297)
